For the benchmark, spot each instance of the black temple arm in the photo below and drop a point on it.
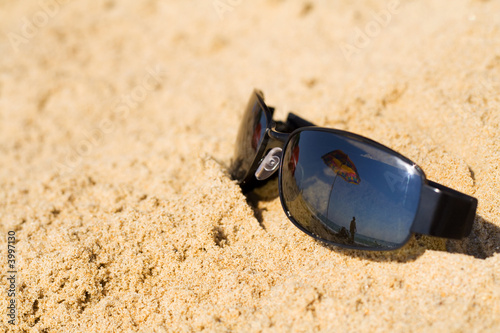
(292, 123)
(444, 212)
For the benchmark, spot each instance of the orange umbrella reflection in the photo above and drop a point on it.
(342, 165)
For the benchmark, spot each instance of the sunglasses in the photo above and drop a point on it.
(342, 188)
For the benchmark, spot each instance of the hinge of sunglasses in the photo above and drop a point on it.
(281, 137)
(269, 164)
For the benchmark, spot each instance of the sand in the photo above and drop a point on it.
(117, 127)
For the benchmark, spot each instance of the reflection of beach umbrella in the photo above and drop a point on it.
(342, 165)
(256, 136)
(294, 159)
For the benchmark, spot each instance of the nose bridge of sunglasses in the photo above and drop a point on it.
(269, 164)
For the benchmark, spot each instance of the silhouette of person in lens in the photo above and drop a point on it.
(352, 229)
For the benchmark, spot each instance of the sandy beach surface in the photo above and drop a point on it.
(117, 128)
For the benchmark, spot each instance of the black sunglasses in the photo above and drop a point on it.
(342, 188)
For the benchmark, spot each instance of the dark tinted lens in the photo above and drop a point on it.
(252, 130)
(347, 191)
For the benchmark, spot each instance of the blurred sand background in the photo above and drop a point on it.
(117, 126)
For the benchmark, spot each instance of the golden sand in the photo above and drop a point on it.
(117, 128)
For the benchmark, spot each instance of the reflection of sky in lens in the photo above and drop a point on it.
(259, 126)
(385, 201)
(252, 130)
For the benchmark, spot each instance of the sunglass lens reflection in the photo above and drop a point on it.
(251, 133)
(349, 192)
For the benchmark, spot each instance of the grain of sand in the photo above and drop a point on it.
(117, 127)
